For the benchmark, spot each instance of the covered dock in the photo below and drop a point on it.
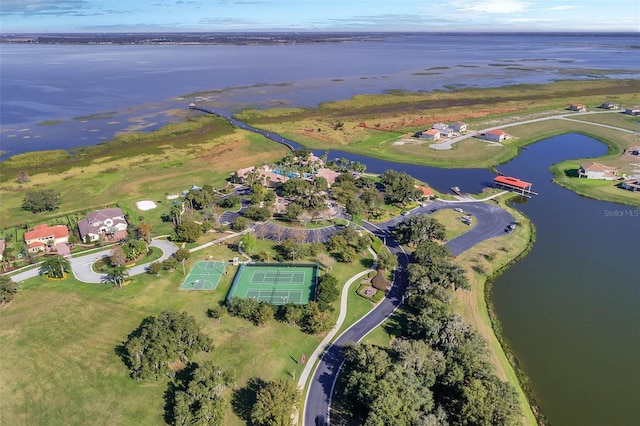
(514, 184)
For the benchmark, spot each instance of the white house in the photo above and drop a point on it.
(1, 249)
(459, 127)
(577, 107)
(494, 136)
(595, 170)
(431, 134)
(445, 131)
(105, 222)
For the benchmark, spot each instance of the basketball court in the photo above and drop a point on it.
(205, 275)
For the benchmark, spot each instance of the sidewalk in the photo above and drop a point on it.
(315, 356)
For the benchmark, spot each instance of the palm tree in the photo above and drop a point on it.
(117, 275)
(55, 267)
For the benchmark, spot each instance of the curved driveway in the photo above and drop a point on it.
(81, 266)
(492, 222)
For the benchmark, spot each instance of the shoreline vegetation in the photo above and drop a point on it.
(204, 148)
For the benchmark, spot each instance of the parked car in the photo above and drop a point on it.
(458, 209)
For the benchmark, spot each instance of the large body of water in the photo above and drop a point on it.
(570, 309)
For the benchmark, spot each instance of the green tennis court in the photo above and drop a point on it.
(204, 275)
(275, 283)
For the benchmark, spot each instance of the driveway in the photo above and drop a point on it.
(81, 266)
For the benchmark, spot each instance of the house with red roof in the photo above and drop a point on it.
(109, 223)
(577, 107)
(595, 170)
(426, 192)
(431, 134)
(43, 236)
(494, 136)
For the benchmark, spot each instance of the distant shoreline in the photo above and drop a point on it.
(252, 38)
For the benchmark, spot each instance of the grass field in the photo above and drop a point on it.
(58, 340)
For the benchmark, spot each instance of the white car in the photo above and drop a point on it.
(458, 209)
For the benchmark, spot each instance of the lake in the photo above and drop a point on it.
(570, 309)
(63, 96)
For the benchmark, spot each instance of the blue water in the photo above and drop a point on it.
(136, 85)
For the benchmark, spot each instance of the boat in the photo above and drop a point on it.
(456, 190)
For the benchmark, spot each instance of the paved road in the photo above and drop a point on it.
(81, 265)
(491, 222)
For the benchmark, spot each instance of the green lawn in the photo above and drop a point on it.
(58, 340)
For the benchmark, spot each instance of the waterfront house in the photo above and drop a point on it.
(328, 174)
(43, 236)
(595, 170)
(494, 136)
(431, 134)
(427, 193)
(631, 185)
(577, 107)
(108, 223)
(459, 127)
(633, 110)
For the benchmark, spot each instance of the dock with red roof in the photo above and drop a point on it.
(514, 184)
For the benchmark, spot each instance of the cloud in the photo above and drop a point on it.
(42, 7)
(491, 6)
(564, 7)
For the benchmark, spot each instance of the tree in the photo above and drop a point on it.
(264, 313)
(201, 400)
(417, 229)
(240, 224)
(161, 340)
(229, 202)
(133, 249)
(42, 200)
(292, 212)
(386, 260)
(349, 254)
(327, 291)
(143, 232)
(188, 231)
(55, 267)
(257, 213)
(275, 403)
(356, 207)
(248, 242)
(217, 312)
(8, 289)
(155, 268)
(182, 254)
(399, 187)
(292, 313)
(117, 275)
(117, 256)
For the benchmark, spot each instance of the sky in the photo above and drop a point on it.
(47, 16)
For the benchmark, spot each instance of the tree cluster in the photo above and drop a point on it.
(439, 360)
(417, 229)
(327, 292)
(161, 340)
(41, 200)
(55, 267)
(346, 244)
(251, 309)
(275, 402)
(399, 187)
(199, 398)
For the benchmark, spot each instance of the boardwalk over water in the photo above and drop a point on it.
(269, 135)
